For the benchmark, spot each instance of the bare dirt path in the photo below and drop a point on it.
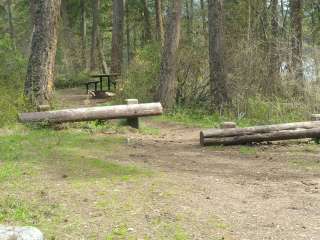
(254, 193)
(266, 192)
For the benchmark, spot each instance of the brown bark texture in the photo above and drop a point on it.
(167, 78)
(219, 93)
(117, 35)
(40, 72)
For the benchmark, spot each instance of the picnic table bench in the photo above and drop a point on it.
(109, 78)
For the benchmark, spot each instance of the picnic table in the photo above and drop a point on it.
(109, 78)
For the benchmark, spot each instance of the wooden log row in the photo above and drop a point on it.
(260, 133)
(315, 117)
(93, 113)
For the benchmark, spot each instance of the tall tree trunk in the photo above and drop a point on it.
(274, 64)
(203, 17)
(190, 20)
(147, 24)
(219, 92)
(72, 58)
(103, 63)
(168, 81)
(40, 73)
(94, 34)
(117, 36)
(10, 21)
(189, 12)
(128, 35)
(83, 30)
(159, 21)
(314, 31)
(296, 21)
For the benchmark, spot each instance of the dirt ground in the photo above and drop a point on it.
(242, 193)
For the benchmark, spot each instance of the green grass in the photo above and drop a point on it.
(247, 150)
(190, 118)
(256, 111)
(146, 130)
(38, 163)
(120, 233)
(15, 210)
(74, 153)
(8, 171)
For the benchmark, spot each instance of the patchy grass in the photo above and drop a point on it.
(306, 164)
(218, 223)
(8, 171)
(46, 177)
(147, 130)
(120, 233)
(245, 150)
(14, 210)
(311, 149)
(74, 153)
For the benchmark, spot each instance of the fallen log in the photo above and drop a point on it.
(218, 133)
(315, 117)
(262, 137)
(93, 113)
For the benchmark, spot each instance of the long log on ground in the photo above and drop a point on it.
(315, 117)
(263, 137)
(216, 133)
(93, 113)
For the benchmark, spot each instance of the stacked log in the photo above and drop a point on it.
(277, 132)
(93, 113)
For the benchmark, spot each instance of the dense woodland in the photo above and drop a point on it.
(211, 131)
(254, 59)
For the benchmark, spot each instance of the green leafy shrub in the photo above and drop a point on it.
(12, 74)
(67, 80)
(141, 79)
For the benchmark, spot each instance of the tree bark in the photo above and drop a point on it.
(117, 36)
(104, 65)
(93, 113)
(147, 24)
(203, 17)
(94, 35)
(168, 81)
(83, 31)
(40, 73)
(189, 12)
(128, 33)
(296, 23)
(159, 22)
(218, 86)
(274, 61)
(10, 21)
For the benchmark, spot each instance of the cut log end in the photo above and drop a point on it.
(202, 143)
